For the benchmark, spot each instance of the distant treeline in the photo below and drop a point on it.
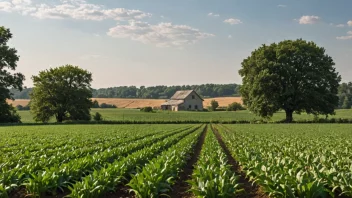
(155, 92)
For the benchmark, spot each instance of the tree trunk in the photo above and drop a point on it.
(59, 117)
(289, 117)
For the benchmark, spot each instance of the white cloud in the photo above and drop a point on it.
(230, 36)
(340, 25)
(5, 6)
(233, 21)
(75, 9)
(161, 35)
(349, 23)
(309, 19)
(282, 6)
(213, 14)
(349, 36)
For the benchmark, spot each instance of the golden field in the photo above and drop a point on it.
(132, 103)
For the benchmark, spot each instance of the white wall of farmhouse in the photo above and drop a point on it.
(193, 102)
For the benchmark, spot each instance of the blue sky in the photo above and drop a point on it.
(168, 42)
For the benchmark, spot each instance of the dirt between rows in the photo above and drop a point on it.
(250, 190)
(181, 187)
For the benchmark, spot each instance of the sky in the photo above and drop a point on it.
(168, 42)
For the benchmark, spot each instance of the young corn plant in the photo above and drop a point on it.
(157, 177)
(212, 176)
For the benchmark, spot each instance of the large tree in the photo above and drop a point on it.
(63, 92)
(8, 78)
(293, 75)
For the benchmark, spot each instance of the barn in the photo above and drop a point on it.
(187, 100)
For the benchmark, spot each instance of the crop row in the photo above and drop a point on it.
(106, 179)
(41, 177)
(212, 175)
(289, 163)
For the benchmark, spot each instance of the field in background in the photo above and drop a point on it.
(132, 103)
(136, 115)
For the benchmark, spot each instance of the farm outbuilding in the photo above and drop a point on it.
(187, 100)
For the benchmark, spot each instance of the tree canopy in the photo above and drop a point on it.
(8, 78)
(63, 92)
(293, 75)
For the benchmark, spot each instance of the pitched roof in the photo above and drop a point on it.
(173, 102)
(181, 95)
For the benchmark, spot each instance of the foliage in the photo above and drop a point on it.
(95, 104)
(156, 92)
(345, 95)
(214, 104)
(157, 177)
(61, 156)
(63, 92)
(147, 109)
(296, 76)
(23, 108)
(235, 106)
(294, 160)
(212, 176)
(97, 117)
(8, 78)
(105, 106)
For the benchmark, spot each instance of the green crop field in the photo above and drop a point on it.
(91, 161)
(136, 115)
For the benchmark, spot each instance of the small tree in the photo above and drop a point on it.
(95, 104)
(63, 92)
(214, 104)
(97, 117)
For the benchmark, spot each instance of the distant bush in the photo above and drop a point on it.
(97, 117)
(146, 109)
(95, 104)
(23, 108)
(106, 106)
(235, 106)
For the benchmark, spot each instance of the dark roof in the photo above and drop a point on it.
(181, 95)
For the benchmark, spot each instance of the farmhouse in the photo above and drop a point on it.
(184, 100)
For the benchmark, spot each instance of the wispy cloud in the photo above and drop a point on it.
(282, 6)
(213, 14)
(347, 37)
(229, 37)
(233, 21)
(74, 9)
(340, 25)
(309, 20)
(161, 35)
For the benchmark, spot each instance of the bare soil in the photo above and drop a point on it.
(250, 190)
(181, 187)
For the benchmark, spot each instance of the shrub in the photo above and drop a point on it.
(22, 108)
(146, 109)
(106, 106)
(95, 104)
(97, 117)
(235, 106)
